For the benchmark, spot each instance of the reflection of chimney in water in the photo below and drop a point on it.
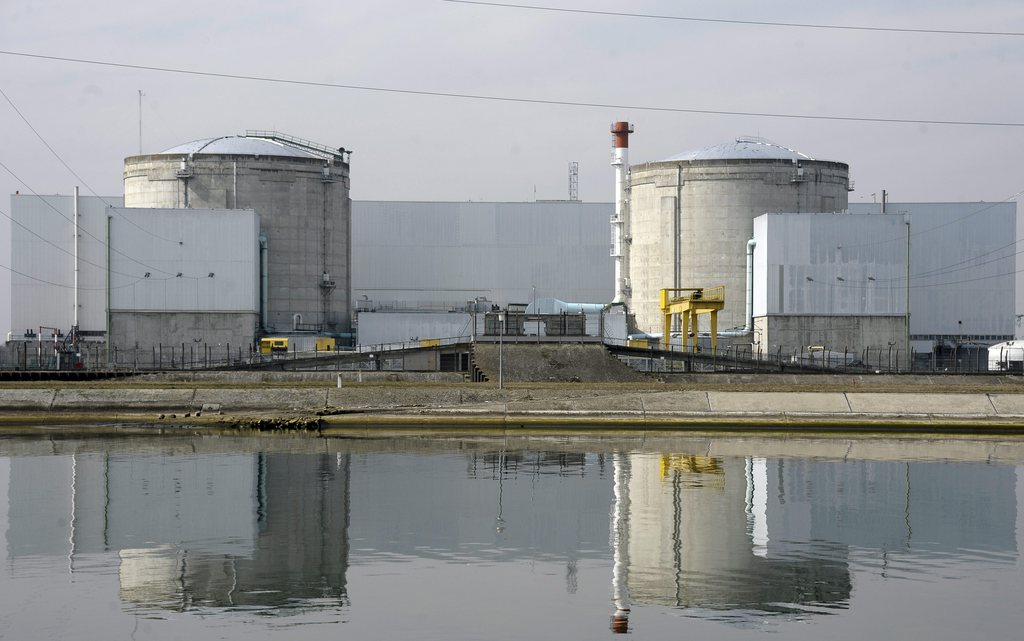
(620, 544)
(757, 505)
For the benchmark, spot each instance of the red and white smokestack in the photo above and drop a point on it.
(620, 219)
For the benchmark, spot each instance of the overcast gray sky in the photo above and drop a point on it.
(424, 147)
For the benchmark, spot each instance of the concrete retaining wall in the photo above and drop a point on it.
(465, 404)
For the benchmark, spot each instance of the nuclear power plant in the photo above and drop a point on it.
(241, 246)
(692, 215)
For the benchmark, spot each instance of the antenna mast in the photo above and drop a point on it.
(140, 120)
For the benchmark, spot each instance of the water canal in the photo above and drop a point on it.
(510, 538)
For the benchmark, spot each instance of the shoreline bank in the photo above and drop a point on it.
(761, 404)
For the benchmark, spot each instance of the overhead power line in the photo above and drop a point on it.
(753, 23)
(68, 167)
(83, 231)
(514, 99)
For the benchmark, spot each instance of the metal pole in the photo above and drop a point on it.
(501, 348)
(140, 120)
(906, 219)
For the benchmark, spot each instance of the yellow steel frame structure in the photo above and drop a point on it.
(688, 302)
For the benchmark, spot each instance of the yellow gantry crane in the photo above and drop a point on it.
(688, 302)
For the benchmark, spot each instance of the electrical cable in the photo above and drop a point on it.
(913, 234)
(756, 23)
(68, 167)
(64, 250)
(512, 99)
(84, 231)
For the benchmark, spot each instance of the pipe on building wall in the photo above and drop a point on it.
(749, 327)
(620, 220)
(264, 284)
(750, 286)
(677, 249)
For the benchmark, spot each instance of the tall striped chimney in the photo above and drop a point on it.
(620, 219)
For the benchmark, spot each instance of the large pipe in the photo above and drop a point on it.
(749, 327)
(264, 284)
(620, 219)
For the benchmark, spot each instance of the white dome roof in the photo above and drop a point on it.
(743, 148)
(238, 146)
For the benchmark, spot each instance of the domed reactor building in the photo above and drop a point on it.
(690, 217)
(299, 189)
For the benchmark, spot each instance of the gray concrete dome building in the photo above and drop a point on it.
(299, 189)
(691, 216)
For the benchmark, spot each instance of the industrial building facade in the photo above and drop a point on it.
(145, 278)
(222, 240)
(691, 215)
(439, 255)
(832, 283)
(300, 190)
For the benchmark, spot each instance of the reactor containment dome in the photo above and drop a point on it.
(691, 217)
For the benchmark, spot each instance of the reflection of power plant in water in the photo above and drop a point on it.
(693, 531)
(774, 535)
(299, 552)
(264, 530)
(736, 537)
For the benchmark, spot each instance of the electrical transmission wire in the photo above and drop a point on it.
(914, 233)
(517, 100)
(754, 23)
(73, 172)
(102, 242)
(62, 249)
(134, 282)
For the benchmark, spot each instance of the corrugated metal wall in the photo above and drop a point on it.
(194, 243)
(829, 264)
(42, 258)
(161, 242)
(962, 266)
(417, 254)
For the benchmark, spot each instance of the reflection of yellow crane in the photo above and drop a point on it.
(689, 463)
(692, 471)
(688, 303)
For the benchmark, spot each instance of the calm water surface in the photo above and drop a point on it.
(501, 538)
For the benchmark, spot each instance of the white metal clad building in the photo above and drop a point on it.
(835, 281)
(43, 262)
(423, 255)
(197, 282)
(829, 264)
(840, 280)
(174, 275)
(194, 260)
